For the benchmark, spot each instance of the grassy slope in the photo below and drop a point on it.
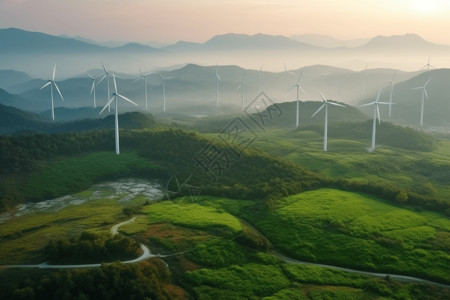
(360, 231)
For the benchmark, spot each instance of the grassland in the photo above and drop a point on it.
(359, 231)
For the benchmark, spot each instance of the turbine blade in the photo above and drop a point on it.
(320, 108)
(378, 96)
(426, 93)
(93, 87)
(126, 99)
(367, 104)
(59, 92)
(170, 77)
(260, 69)
(104, 69)
(323, 97)
(218, 77)
(162, 77)
(292, 88)
(137, 79)
(45, 85)
(107, 104)
(54, 72)
(336, 104)
(115, 84)
(90, 76)
(428, 81)
(101, 79)
(300, 77)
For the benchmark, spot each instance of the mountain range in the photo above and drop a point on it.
(34, 52)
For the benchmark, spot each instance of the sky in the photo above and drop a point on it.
(169, 21)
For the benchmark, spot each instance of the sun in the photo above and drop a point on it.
(426, 6)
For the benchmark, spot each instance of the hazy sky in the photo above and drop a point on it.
(169, 21)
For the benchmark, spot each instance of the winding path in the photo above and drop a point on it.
(146, 254)
(402, 278)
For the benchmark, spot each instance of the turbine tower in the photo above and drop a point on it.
(424, 95)
(376, 113)
(217, 87)
(93, 88)
(106, 75)
(115, 96)
(242, 87)
(325, 127)
(259, 79)
(52, 83)
(144, 77)
(299, 87)
(164, 89)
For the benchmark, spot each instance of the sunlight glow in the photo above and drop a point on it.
(427, 6)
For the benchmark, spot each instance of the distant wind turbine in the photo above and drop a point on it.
(325, 127)
(115, 96)
(286, 73)
(93, 88)
(164, 89)
(299, 87)
(52, 83)
(143, 76)
(106, 75)
(217, 87)
(242, 87)
(428, 65)
(424, 95)
(391, 83)
(376, 113)
(259, 79)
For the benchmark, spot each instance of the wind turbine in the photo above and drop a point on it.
(164, 89)
(391, 83)
(144, 77)
(93, 88)
(52, 83)
(376, 113)
(242, 86)
(424, 95)
(325, 127)
(428, 65)
(114, 97)
(297, 116)
(217, 87)
(106, 75)
(259, 79)
(286, 73)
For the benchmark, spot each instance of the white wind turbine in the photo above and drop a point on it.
(106, 75)
(428, 65)
(52, 83)
(93, 88)
(424, 95)
(376, 113)
(242, 87)
(114, 97)
(164, 89)
(391, 83)
(286, 73)
(299, 87)
(144, 77)
(259, 79)
(217, 87)
(325, 127)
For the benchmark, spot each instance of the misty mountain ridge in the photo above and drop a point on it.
(326, 41)
(400, 42)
